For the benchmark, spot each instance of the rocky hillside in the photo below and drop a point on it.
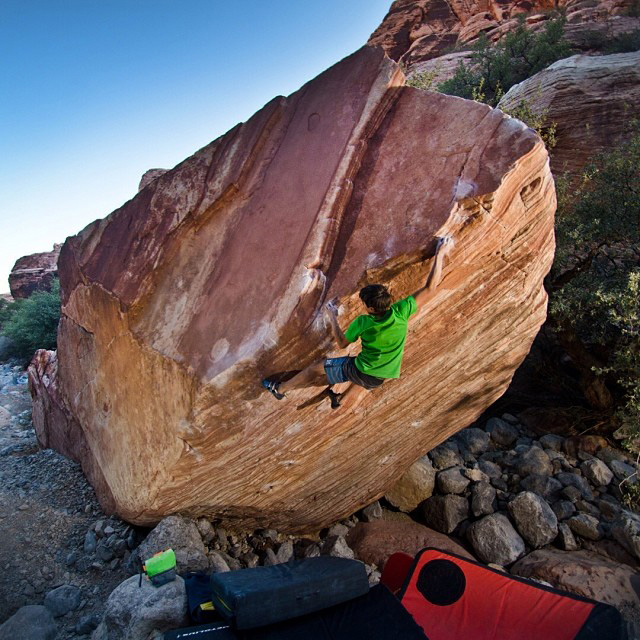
(416, 31)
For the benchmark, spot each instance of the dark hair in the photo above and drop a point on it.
(376, 297)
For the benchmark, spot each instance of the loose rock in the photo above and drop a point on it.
(181, 535)
(585, 526)
(445, 513)
(337, 546)
(452, 481)
(475, 440)
(596, 472)
(62, 600)
(414, 486)
(626, 530)
(534, 519)
(32, 622)
(483, 499)
(534, 460)
(566, 539)
(502, 432)
(134, 611)
(495, 540)
(446, 455)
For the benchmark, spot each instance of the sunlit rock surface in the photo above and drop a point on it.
(214, 276)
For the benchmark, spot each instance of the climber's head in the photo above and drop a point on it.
(376, 298)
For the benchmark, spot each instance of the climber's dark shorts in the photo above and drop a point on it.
(344, 370)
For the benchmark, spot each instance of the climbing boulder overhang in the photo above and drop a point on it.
(214, 276)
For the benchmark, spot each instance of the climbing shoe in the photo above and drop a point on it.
(335, 398)
(272, 387)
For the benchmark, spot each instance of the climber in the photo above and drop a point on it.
(382, 331)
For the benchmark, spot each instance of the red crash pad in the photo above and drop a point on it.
(451, 598)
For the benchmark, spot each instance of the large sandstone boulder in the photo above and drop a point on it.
(214, 276)
(591, 99)
(34, 273)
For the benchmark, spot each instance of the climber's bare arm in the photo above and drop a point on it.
(331, 314)
(433, 279)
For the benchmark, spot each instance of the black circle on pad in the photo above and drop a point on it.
(441, 582)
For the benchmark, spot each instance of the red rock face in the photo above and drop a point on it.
(34, 273)
(415, 31)
(177, 304)
(589, 98)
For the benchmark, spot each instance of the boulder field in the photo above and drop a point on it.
(214, 275)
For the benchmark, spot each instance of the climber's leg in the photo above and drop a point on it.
(311, 376)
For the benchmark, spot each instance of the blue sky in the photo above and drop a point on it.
(95, 92)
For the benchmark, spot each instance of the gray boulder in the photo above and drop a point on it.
(490, 469)
(563, 509)
(483, 499)
(217, 563)
(585, 526)
(62, 600)
(596, 472)
(534, 519)
(626, 530)
(452, 481)
(206, 530)
(414, 486)
(337, 547)
(624, 471)
(372, 512)
(552, 441)
(87, 624)
(578, 482)
(541, 484)
(445, 513)
(533, 460)
(181, 535)
(566, 539)
(33, 622)
(446, 455)
(494, 539)
(138, 612)
(474, 440)
(501, 432)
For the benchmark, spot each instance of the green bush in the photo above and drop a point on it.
(594, 285)
(494, 69)
(538, 121)
(32, 324)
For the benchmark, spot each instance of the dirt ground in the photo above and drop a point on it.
(46, 509)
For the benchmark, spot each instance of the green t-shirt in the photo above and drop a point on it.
(382, 339)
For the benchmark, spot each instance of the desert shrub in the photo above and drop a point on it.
(595, 281)
(32, 324)
(494, 69)
(423, 80)
(537, 120)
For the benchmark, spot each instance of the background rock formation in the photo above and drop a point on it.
(417, 31)
(213, 276)
(34, 273)
(591, 99)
